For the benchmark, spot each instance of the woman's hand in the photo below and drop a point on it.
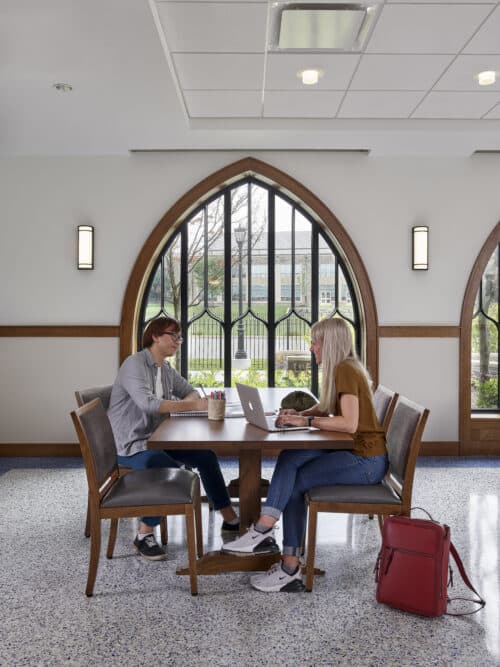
(291, 418)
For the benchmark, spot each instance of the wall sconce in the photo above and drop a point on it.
(85, 247)
(420, 248)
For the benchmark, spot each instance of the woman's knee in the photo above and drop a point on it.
(288, 457)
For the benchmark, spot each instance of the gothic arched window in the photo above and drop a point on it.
(247, 273)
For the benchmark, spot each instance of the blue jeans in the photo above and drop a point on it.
(204, 459)
(298, 470)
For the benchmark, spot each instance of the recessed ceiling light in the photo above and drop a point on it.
(63, 87)
(309, 77)
(486, 78)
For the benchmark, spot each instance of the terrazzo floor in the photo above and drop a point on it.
(142, 612)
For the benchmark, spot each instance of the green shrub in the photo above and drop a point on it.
(487, 393)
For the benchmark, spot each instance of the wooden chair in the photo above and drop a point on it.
(384, 401)
(153, 492)
(391, 497)
(104, 393)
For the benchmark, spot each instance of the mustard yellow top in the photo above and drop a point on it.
(369, 439)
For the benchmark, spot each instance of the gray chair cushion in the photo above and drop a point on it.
(155, 486)
(370, 493)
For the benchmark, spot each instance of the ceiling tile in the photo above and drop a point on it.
(214, 26)
(425, 28)
(456, 105)
(282, 70)
(487, 39)
(207, 71)
(302, 104)
(403, 72)
(223, 103)
(386, 104)
(462, 74)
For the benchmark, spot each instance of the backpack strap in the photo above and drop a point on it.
(467, 582)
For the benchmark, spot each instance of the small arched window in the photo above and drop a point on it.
(484, 340)
(247, 274)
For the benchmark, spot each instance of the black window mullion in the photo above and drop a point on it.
(205, 259)
(228, 296)
(184, 300)
(271, 313)
(292, 264)
(336, 297)
(249, 244)
(314, 298)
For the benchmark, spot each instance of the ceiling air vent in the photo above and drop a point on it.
(322, 26)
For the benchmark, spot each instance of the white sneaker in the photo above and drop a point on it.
(252, 542)
(276, 580)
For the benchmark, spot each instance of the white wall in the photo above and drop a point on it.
(376, 199)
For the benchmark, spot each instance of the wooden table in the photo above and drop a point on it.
(236, 438)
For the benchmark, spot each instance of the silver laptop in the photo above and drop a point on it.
(254, 411)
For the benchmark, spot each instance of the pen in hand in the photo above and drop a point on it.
(203, 391)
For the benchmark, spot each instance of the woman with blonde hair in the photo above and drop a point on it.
(345, 405)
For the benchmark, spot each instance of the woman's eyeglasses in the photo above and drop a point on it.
(176, 337)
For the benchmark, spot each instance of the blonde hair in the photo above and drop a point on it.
(337, 346)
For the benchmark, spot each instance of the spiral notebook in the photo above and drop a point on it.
(190, 413)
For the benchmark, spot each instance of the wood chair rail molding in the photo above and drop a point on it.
(418, 331)
(60, 331)
(477, 434)
(176, 215)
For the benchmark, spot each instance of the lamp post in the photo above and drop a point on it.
(240, 235)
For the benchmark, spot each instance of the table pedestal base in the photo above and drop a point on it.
(217, 562)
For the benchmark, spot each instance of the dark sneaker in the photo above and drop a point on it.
(252, 542)
(276, 580)
(149, 548)
(230, 528)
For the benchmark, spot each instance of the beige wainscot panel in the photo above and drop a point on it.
(425, 370)
(39, 378)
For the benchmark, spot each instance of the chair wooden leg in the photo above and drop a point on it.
(95, 549)
(370, 516)
(87, 520)
(199, 527)
(311, 546)
(113, 529)
(164, 530)
(191, 542)
(380, 522)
